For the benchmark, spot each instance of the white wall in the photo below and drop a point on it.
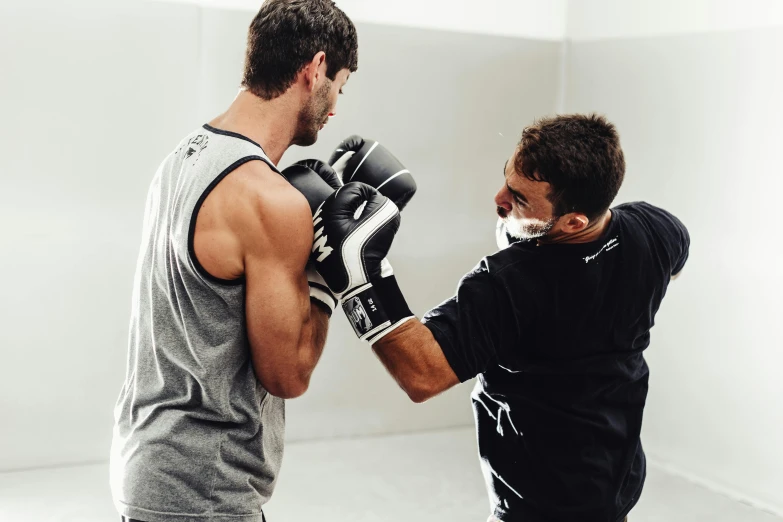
(700, 117)
(554, 19)
(91, 101)
(538, 19)
(95, 94)
(604, 19)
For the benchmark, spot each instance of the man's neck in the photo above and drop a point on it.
(270, 123)
(593, 232)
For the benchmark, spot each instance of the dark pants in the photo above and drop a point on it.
(492, 518)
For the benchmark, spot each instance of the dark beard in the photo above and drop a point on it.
(312, 116)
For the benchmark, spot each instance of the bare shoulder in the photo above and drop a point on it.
(269, 211)
(252, 214)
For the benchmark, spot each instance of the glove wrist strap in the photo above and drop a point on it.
(320, 292)
(377, 308)
(323, 296)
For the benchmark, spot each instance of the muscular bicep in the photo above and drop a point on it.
(276, 239)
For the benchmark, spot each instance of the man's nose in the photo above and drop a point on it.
(503, 200)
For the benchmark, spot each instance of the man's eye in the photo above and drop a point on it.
(520, 202)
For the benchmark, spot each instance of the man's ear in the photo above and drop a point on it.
(314, 69)
(575, 222)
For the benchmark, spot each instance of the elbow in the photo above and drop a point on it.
(419, 390)
(418, 397)
(287, 388)
(286, 381)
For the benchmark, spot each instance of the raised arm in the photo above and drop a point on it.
(286, 330)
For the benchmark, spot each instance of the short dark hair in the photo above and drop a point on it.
(286, 34)
(580, 156)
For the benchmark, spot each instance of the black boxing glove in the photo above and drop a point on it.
(367, 161)
(316, 181)
(354, 229)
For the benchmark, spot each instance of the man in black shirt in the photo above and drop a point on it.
(554, 325)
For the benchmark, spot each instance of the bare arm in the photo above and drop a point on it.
(286, 332)
(416, 361)
(456, 341)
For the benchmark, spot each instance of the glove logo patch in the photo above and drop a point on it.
(357, 314)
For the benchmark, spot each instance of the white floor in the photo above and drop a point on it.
(428, 477)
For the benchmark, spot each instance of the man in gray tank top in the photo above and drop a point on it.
(224, 326)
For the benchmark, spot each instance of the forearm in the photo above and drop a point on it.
(313, 338)
(415, 360)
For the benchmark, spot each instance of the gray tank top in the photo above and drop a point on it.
(196, 436)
